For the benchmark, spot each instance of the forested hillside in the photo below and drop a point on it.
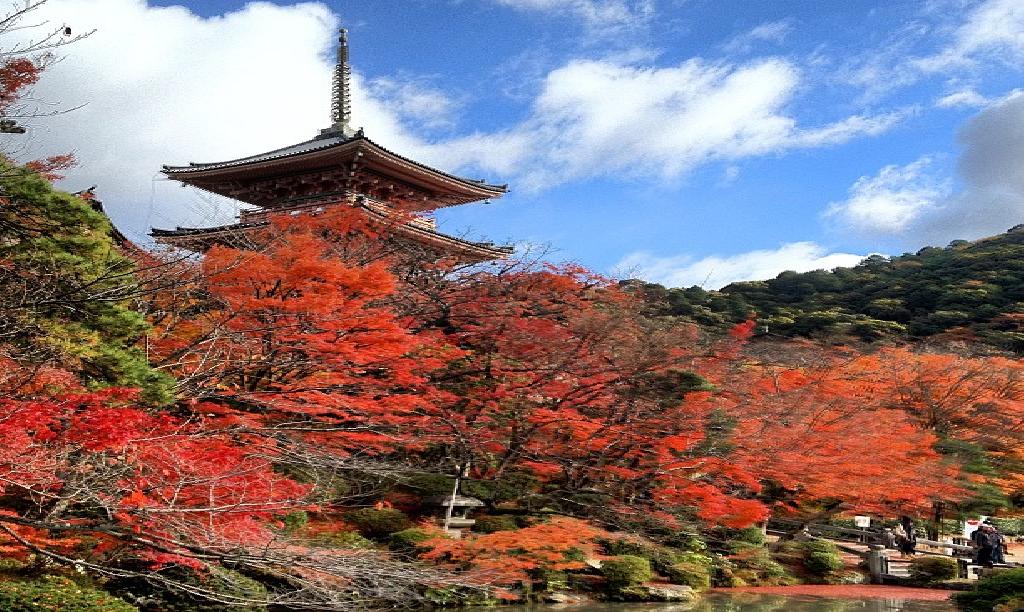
(967, 289)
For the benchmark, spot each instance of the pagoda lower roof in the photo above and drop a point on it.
(337, 152)
(204, 237)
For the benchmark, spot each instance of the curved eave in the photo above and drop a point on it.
(207, 236)
(481, 250)
(320, 150)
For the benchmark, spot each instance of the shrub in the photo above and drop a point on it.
(408, 541)
(295, 521)
(750, 535)
(552, 580)
(696, 575)
(377, 524)
(687, 542)
(491, 524)
(661, 558)
(933, 569)
(735, 547)
(228, 583)
(821, 557)
(992, 590)
(723, 574)
(626, 571)
(57, 594)
(755, 566)
(341, 539)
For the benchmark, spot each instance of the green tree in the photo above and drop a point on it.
(66, 292)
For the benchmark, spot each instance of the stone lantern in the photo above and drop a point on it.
(461, 507)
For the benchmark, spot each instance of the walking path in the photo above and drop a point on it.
(862, 591)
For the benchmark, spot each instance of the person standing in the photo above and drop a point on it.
(888, 538)
(903, 542)
(909, 543)
(986, 542)
(976, 542)
(998, 544)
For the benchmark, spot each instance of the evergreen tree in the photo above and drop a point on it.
(65, 290)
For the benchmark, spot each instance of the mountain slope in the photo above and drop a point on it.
(973, 290)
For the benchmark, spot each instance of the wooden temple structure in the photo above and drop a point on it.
(339, 167)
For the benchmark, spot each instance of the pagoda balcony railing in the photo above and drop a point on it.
(262, 215)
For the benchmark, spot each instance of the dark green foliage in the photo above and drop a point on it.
(65, 291)
(1007, 526)
(232, 591)
(490, 524)
(378, 524)
(986, 497)
(626, 571)
(933, 569)
(457, 597)
(509, 487)
(667, 387)
(978, 285)
(552, 580)
(696, 575)
(821, 557)
(751, 537)
(295, 521)
(690, 568)
(660, 558)
(430, 485)
(408, 541)
(57, 594)
(992, 590)
(723, 574)
(341, 539)
(755, 566)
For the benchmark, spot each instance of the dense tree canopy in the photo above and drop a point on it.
(968, 290)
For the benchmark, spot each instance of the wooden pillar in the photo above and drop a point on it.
(878, 563)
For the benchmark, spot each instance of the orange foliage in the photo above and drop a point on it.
(507, 557)
(863, 429)
(565, 379)
(50, 167)
(300, 330)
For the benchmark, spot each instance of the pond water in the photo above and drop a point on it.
(757, 602)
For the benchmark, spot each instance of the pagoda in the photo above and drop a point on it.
(339, 167)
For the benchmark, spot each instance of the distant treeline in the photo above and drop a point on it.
(973, 290)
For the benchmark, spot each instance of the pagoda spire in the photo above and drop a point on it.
(341, 91)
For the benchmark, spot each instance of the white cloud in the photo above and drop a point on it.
(598, 117)
(717, 271)
(600, 17)
(771, 32)
(991, 197)
(993, 27)
(416, 99)
(892, 200)
(161, 85)
(952, 38)
(968, 98)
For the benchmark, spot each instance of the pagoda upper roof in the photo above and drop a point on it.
(333, 150)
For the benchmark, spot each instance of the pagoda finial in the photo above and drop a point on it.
(341, 103)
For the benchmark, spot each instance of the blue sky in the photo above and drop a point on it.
(684, 141)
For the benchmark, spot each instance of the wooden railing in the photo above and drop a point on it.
(876, 553)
